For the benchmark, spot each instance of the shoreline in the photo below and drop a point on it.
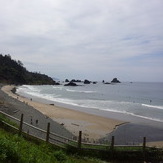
(128, 131)
(92, 126)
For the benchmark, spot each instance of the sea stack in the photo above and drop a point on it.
(115, 80)
(86, 81)
(71, 84)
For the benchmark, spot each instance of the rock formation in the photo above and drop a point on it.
(71, 84)
(115, 80)
(86, 81)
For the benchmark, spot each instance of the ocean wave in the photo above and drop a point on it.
(153, 106)
(29, 88)
(58, 87)
(87, 105)
(45, 96)
(133, 114)
(145, 117)
(92, 102)
(71, 90)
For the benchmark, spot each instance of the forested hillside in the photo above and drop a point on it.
(13, 72)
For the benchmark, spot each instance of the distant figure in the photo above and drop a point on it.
(31, 99)
(150, 101)
(31, 121)
(36, 121)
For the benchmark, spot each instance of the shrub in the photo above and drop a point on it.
(8, 150)
(60, 156)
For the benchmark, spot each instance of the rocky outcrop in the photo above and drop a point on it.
(71, 84)
(73, 80)
(56, 83)
(66, 80)
(107, 83)
(115, 80)
(77, 81)
(87, 81)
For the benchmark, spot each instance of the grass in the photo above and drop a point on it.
(90, 146)
(7, 120)
(14, 148)
(18, 150)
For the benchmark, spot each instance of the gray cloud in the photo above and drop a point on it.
(85, 38)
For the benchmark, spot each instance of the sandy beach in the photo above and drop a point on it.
(68, 122)
(93, 127)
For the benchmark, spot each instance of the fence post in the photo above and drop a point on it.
(144, 143)
(47, 133)
(21, 124)
(79, 139)
(144, 146)
(112, 143)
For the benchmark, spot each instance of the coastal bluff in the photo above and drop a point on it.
(13, 72)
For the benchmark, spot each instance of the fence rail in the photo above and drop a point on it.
(52, 138)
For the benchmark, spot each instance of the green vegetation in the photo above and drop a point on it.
(13, 72)
(27, 149)
(16, 149)
(90, 146)
(3, 118)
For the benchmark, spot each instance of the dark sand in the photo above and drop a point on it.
(132, 134)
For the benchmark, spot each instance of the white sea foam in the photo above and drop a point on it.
(153, 106)
(30, 87)
(132, 114)
(58, 88)
(77, 91)
(101, 99)
(145, 117)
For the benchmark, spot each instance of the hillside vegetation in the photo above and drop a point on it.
(13, 72)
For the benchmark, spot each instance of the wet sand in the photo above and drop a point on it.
(133, 134)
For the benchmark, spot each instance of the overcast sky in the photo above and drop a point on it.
(85, 39)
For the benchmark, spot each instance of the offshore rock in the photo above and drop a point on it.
(107, 83)
(87, 81)
(77, 81)
(66, 80)
(115, 80)
(71, 84)
(56, 83)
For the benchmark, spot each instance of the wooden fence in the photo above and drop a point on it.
(61, 141)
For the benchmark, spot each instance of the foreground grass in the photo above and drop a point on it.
(16, 149)
(3, 118)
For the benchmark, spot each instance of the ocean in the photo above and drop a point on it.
(137, 99)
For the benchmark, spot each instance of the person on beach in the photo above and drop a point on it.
(31, 121)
